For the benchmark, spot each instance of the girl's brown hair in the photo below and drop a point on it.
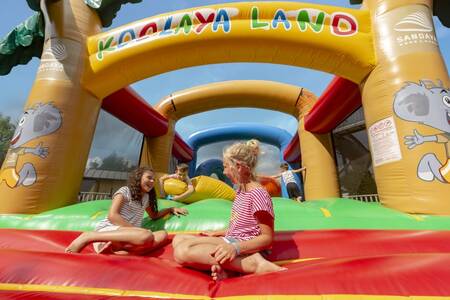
(134, 184)
(182, 167)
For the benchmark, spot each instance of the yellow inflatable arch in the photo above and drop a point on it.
(378, 47)
(317, 151)
(331, 39)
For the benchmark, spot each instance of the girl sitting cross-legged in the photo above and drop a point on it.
(242, 247)
(120, 232)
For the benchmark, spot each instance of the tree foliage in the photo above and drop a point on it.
(114, 162)
(6, 133)
(21, 44)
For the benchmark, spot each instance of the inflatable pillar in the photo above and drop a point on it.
(320, 179)
(42, 169)
(157, 151)
(406, 101)
(317, 153)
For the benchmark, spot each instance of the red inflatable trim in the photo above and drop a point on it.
(292, 152)
(129, 107)
(340, 99)
(181, 150)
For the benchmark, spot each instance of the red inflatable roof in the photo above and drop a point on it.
(181, 150)
(292, 151)
(129, 107)
(340, 99)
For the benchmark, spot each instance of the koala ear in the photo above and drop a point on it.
(46, 120)
(42, 122)
(411, 103)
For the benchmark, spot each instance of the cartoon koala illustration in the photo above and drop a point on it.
(429, 106)
(38, 121)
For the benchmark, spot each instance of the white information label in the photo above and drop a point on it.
(384, 142)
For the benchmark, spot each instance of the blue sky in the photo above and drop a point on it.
(16, 86)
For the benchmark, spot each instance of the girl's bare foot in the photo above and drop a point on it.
(78, 244)
(121, 252)
(267, 266)
(217, 273)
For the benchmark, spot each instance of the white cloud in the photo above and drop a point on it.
(268, 161)
(92, 162)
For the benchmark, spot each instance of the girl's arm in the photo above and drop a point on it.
(177, 211)
(214, 233)
(114, 212)
(299, 170)
(262, 241)
(186, 194)
(162, 193)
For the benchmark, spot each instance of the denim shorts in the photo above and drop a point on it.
(229, 240)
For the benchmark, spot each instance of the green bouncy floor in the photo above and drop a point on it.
(211, 214)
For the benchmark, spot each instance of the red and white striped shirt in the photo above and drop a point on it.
(243, 223)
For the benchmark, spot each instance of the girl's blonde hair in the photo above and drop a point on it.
(244, 152)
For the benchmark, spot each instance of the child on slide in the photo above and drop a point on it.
(289, 180)
(121, 231)
(251, 228)
(181, 173)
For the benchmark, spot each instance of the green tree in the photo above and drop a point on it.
(114, 162)
(6, 133)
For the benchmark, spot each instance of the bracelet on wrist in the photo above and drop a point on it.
(236, 247)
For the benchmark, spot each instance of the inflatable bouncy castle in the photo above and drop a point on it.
(245, 131)
(332, 247)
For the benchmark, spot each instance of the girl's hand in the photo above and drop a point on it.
(179, 211)
(213, 233)
(224, 253)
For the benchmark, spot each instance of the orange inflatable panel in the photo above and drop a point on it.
(271, 185)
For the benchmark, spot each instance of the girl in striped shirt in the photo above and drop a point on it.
(251, 225)
(120, 232)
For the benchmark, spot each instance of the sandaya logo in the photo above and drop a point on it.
(52, 57)
(415, 28)
(418, 22)
(57, 51)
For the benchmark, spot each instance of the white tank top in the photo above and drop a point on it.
(131, 211)
(288, 176)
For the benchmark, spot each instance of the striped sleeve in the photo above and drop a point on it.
(125, 191)
(262, 202)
